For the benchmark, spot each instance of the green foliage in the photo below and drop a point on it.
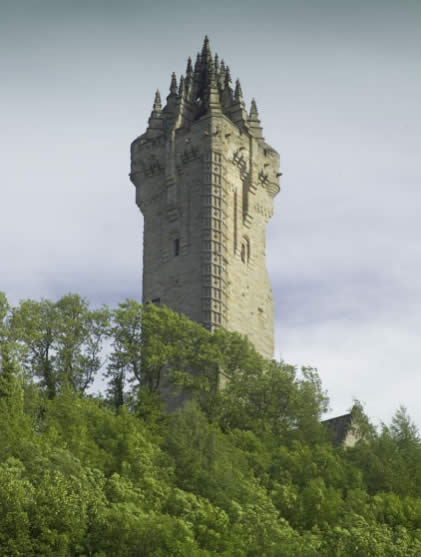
(243, 469)
(125, 360)
(62, 341)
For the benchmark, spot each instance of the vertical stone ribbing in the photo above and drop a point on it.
(214, 235)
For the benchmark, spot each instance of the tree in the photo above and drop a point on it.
(62, 341)
(155, 349)
(176, 351)
(5, 356)
(11, 353)
(80, 333)
(125, 360)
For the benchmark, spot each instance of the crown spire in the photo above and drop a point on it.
(206, 53)
(207, 87)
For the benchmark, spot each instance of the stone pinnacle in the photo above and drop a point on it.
(157, 102)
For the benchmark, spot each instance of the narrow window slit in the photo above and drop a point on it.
(176, 247)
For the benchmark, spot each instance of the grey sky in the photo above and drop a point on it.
(337, 84)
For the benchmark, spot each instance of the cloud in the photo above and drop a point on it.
(338, 88)
(375, 361)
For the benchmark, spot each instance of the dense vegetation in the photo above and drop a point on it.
(244, 468)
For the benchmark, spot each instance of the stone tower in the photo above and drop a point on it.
(205, 182)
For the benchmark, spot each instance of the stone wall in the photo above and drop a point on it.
(206, 205)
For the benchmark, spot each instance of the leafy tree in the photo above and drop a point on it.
(63, 341)
(125, 361)
(11, 353)
(35, 325)
(176, 351)
(390, 460)
(80, 334)
(5, 365)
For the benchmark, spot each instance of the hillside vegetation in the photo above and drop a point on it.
(244, 468)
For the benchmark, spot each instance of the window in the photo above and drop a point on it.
(156, 301)
(245, 250)
(176, 247)
(243, 253)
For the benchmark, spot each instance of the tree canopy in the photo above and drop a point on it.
(243, 467)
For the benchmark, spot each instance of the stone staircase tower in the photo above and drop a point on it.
(205, 181)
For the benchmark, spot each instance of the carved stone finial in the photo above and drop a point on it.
(238, 91)
(189, 68)
(181, 88)
(173, 85)
(155, 119)
(206, 49)
(254, 122)
(226, 87)
(228, 81)
(212, 87)
(211, 69)
(222, 75)
(157, 102)
(189, 74)
(197, 63)
(254, 114)
(212, 75)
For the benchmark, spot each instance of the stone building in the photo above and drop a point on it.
(205, 182)
(344, 430)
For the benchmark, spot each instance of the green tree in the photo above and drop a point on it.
(176, 351)
(125, 360)
(80, 335)
(62, 341)
(35, 324)
(5, 363)
(11, 353)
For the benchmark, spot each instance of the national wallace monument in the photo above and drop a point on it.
(205, 182)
